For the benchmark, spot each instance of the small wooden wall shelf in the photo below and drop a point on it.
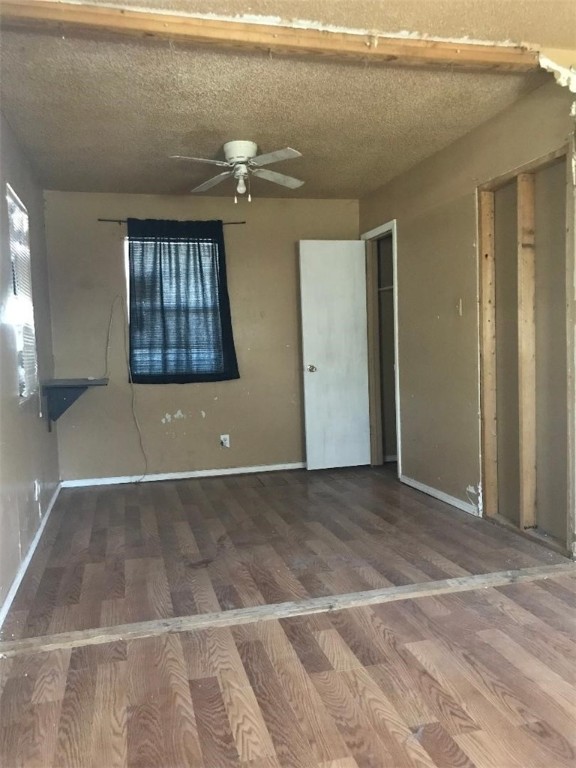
(61, 393)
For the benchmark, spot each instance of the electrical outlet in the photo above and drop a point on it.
(225, 441)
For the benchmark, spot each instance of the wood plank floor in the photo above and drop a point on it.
(278, 611)
(122, 554)
(484, 678)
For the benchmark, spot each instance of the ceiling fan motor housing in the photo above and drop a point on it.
(240, 170)
(240, 151)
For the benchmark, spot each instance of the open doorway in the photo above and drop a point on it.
(382, 303)
(386, 326)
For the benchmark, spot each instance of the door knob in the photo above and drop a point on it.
(312, 368)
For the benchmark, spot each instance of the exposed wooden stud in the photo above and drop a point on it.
(488, 354)
(527, 350)
(238, 616)
(66, 17)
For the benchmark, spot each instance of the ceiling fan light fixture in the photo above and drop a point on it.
(242, 161)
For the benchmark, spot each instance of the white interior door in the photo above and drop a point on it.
(335, 351)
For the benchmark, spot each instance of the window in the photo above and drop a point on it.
(180, 325)
(20, 312)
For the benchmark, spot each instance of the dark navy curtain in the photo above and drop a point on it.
(180, 325)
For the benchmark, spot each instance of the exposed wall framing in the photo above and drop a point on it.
(524, 178)
(526, 265)
(488, 353)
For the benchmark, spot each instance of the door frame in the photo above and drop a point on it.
(371, 237)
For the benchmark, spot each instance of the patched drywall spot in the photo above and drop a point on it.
(169, 417)
(474, 496)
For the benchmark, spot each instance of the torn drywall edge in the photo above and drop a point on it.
(278, 21)
(480, 500)
(471, 491)
(564, 76)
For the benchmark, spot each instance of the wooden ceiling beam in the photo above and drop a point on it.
(67, 18)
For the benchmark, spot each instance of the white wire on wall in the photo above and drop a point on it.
(119, 299)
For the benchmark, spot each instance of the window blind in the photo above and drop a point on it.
(22, 309)
(180, 323)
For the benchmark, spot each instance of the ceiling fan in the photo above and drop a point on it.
(241, 162)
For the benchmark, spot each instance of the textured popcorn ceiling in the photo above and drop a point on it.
(103, 115)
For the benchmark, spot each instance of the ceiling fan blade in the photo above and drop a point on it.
(274, 157)
(201, 160)
(277, 178)
(212, 182)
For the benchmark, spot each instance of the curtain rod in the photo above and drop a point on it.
(123, 221)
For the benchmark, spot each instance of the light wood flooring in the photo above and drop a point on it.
(483, 678)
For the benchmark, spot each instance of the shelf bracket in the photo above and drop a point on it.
(61, 393)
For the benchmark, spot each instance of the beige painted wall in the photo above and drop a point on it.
(507, 403)
(27, 451)
(551, 378)
(262, 411)
(435, 206)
